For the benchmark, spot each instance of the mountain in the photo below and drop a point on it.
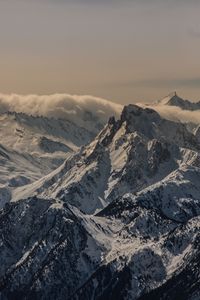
(38, 133)
(33, 146)
(174, 100)
(33, 134)
(177, 109)
(128, 155)
(119, 219)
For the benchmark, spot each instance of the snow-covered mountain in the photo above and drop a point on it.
(174, 100)
(173, 107)
(38, 134)
(128, 155)
(33, 146)
(119, 219)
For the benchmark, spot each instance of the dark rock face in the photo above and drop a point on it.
(52, 146)
(40, 251)
(184, 285)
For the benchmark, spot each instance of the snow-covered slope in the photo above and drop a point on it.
(18, 169)
(119, 219)
(32, 134)
(33, 146)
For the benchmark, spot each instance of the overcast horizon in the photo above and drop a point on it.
(124, 51)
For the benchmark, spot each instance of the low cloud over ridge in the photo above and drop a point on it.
(175, 113)
(71, 107)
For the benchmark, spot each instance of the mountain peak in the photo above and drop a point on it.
(130, 110)
(133, 110)
(174, 100)
(138, 118)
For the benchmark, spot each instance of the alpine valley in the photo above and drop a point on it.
(100, 211)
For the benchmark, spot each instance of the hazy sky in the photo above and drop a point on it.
(123, 50)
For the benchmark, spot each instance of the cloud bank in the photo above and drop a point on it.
(175, 113)
(71, 107)
(84, 109)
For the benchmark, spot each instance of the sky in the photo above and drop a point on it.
(123, 50)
